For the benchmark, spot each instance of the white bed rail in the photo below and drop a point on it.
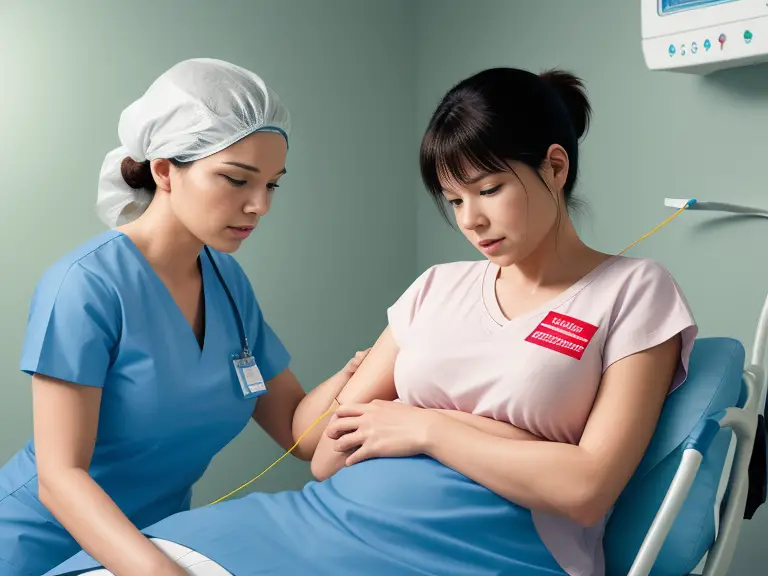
(743, 423)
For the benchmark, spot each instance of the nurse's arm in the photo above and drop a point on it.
(66, 420)
(581, 481)
(274, 411)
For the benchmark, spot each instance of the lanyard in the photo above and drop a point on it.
(240, 324)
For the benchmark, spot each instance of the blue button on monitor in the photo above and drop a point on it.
(707, 44)
(672, 50)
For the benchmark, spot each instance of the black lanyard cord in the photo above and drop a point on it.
(240, 324)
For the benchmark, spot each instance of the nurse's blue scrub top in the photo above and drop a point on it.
(102, 317)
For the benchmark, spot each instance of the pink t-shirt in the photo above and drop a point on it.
(541, 370)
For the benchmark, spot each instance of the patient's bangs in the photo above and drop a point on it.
(457, 156)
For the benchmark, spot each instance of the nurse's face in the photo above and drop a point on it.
(221, 198)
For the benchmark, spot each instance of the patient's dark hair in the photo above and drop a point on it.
(504, 115)
(139, 174)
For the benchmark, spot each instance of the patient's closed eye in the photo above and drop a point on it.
(490, 191)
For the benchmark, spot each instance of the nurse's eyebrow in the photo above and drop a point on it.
(243, 166)
(252, 168)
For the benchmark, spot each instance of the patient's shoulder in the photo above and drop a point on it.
(631, 277)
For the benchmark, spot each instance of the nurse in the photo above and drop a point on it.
(147, 348)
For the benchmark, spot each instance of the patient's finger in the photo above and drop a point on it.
(357, 456)
(342, 426)
(351, 409)
(349, 441)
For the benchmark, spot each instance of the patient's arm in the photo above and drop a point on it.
(374, 379)
(316, 403)
(286, 413)
(490, 426)
(579, 481)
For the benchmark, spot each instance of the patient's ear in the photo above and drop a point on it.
(557, 166)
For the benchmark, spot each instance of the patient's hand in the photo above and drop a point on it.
(379, 429)
(386, 429)
(489, 425)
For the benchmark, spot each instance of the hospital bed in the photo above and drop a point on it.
(702, 475)
(705, 469)
(704, 472)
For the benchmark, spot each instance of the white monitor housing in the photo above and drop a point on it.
(701, 36)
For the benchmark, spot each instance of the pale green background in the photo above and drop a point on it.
(351, 226)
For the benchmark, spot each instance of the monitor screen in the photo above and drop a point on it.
(667, 6)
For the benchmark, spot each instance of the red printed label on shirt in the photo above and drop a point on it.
(564, 334)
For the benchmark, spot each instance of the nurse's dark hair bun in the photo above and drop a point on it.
(137, 175)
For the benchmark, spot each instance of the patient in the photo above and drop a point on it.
(499, 416)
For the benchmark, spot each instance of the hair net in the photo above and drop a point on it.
(195, 109)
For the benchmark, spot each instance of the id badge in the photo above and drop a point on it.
(249, 376)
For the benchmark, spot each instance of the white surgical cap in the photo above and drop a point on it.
(195, 109)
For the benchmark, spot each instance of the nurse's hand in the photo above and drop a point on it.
(380, 429)
(354, 363)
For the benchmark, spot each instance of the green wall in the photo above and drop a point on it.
(654, 135)
(325, 263)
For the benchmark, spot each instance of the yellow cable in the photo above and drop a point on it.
(323, 415)
(330, 410)
(667, 221)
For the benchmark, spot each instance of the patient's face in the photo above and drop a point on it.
(515, 209)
